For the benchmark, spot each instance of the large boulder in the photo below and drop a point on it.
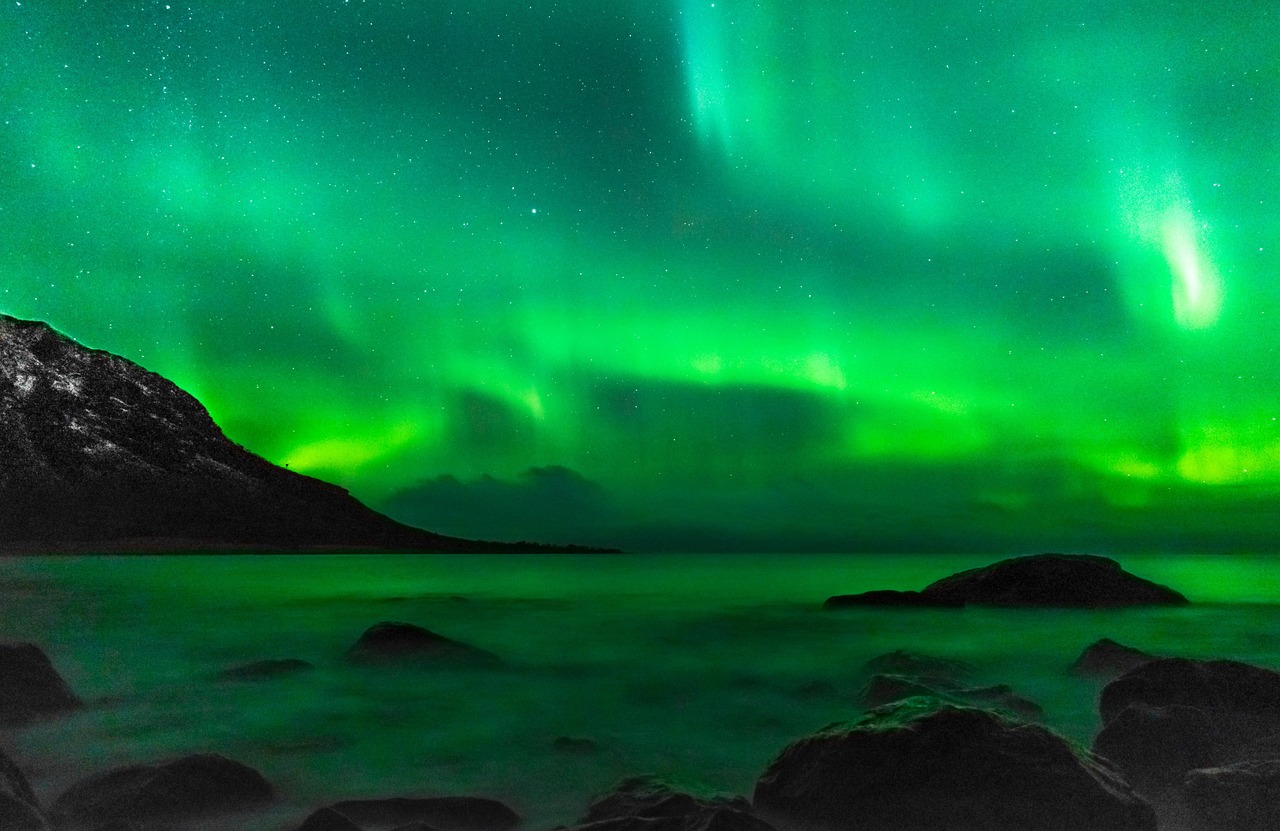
(446, 813)
(1155, 746)
(30, 688)
(1240, 797)
(1171, 715)
(1239, 697)
(393, 642)
(1050, 580)
(647, 803)
(1106, 658)
(179, 792)
(19, 810)
(916, 765)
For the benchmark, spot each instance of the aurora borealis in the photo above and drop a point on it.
(744, 274)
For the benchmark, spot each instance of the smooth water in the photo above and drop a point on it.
(698, 667)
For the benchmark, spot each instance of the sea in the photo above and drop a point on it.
(696, 668)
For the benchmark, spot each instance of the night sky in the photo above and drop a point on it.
(684, 275)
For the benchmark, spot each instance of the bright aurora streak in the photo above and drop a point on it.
(676, 274)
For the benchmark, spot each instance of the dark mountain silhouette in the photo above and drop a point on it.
(98, 454)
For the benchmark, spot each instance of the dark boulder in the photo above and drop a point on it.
(178, 792)
(327, 819)
(647, 803)
(30, 688)
(1238, 696)
(390, 642)
(1051, 580)
(916, 765)
(882, 597)
(1106, 659)
(1240, 797)
(1154, 747)
(447, 813)
(927, 668)
(265, 670)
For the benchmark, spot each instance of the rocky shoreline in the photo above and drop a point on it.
(1185, 745)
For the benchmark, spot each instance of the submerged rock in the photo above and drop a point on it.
(178, 792)
(1240, 797)
(1106, 659)
(927, 668)
(917, 765)
(647, 803)
(882, 597)
(264, 670)
(30, 688)
(446, 813)
(327, 819)
(389, 642)
(1051, 580)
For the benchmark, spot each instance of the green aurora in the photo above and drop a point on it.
(678, 274)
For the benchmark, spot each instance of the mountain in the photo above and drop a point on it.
(99, 454)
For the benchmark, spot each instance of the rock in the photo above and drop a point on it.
(265, 670)
(1051, 580)
(30, 688)
(446, 813)
(395, 642)
(1239, 697)
(415, 826)
(180, 791)
(1240, 797)
(1154, 747)
(647, 803)
(917, 765)
(882, 597)
(927, 668)
(1106, 659)
(327, 819)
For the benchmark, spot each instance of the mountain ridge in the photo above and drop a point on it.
(99, 454)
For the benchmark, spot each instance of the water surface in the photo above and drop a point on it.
(699, 667)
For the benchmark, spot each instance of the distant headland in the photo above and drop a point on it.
(103, 456)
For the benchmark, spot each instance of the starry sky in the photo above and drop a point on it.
(760, 275)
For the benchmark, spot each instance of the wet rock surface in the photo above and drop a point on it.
(917, 765)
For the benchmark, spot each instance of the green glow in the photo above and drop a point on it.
(806, 273)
